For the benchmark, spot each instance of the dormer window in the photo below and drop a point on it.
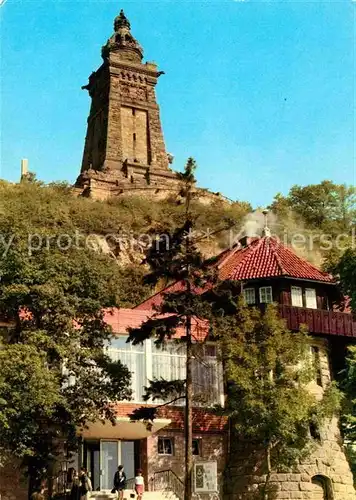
(249, 296)
(297, 296)
(310, 298)
(266, 296)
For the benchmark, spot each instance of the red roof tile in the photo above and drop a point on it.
(122, 319)
(262, 258)
(267, 258)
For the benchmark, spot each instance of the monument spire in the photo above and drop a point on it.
(121, 21)
(122, 41)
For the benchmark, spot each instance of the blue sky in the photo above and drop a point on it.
(261, 94)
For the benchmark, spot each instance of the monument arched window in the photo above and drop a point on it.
(322, 488)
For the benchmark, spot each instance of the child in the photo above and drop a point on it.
(139, 485)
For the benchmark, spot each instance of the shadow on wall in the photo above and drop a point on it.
(323, 488)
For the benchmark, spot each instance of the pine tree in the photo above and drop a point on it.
(266, 367)
(180, 262)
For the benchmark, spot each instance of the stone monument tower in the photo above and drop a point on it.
(124, 146)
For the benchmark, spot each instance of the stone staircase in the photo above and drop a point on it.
(148, 495)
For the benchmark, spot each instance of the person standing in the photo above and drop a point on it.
(85, 487)
(139, 485)
(120, 481)
(75, 489)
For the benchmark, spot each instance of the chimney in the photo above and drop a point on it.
(24, 167)
(245, 241)
(266, 230)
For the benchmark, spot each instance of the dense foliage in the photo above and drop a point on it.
(63, 259)
(349, 413)
(326, 206)
(345, 270)
(53, 295)
(268, 369)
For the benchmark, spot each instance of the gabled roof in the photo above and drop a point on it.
(264, 257)
(268, 258)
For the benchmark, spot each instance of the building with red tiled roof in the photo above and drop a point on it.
(267, 271)
(127, 153)
(267, 257)
(260, 258)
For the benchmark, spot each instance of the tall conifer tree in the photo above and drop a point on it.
(180, 262)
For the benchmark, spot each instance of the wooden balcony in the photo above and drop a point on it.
(319, 321)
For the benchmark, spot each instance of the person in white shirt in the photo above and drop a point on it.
(139, 485)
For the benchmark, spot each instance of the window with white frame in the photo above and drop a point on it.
(297, 296)
(134, 357)
(168, 361)
(249, 295)
(207, 376)
(310, 298)
(147, 362)
(266, 296)
(165, 446)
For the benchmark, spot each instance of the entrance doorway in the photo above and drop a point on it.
(322, 488)
(102, 458)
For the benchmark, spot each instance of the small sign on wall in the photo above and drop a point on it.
(205, 477)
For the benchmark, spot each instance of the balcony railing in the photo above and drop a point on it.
(167, 480)
(319, 321)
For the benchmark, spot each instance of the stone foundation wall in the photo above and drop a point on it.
(13, 484)
(324, 475)
(245, 480)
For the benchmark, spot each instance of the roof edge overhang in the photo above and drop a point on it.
(125, 428)
(287, 277)
(319, 282)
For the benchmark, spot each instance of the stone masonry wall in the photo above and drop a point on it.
(134, 135)
(326, 465)
(13, 485)
(213, 448)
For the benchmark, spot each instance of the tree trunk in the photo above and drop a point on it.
(269, 471)
(34, 481)
(31, 486)
(188, 430)
(50, 478)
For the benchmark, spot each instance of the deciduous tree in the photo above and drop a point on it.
(267, 370)
(55, 375)
(326, 206)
